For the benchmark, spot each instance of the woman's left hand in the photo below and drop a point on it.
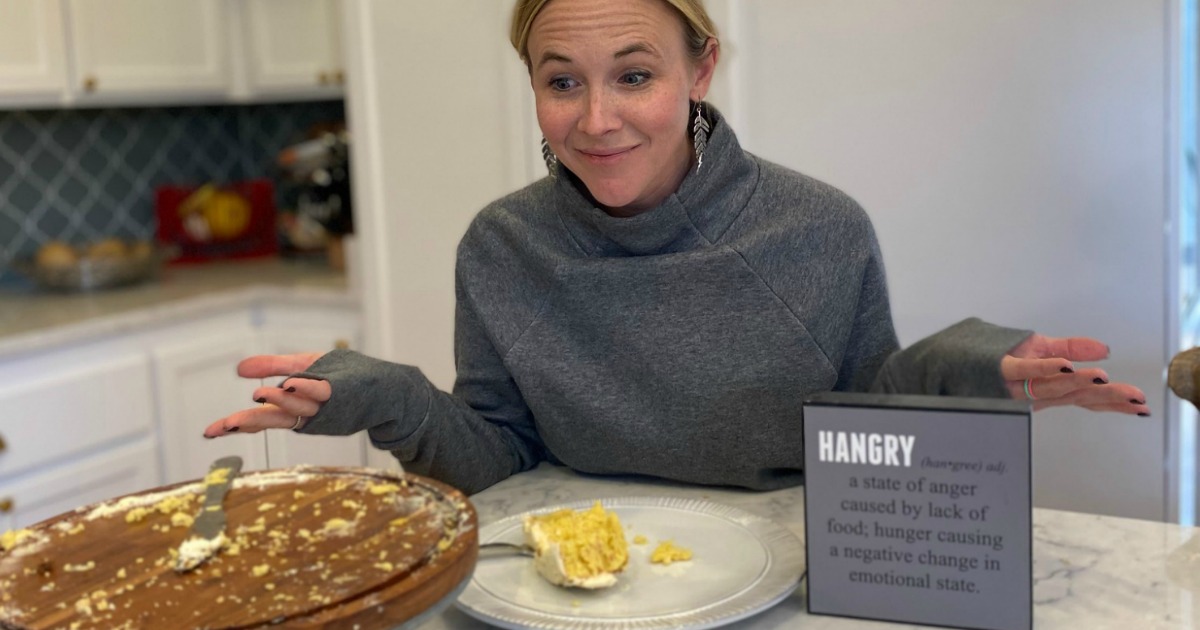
(1047, 363)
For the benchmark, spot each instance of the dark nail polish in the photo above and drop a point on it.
(260, 400)
(1144, 415)
(1136, 401)
(290, 390)
(232, 430)
(1099, 381)
(1067, 370)
(207, 436)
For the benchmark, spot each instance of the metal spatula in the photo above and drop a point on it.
(207, 535)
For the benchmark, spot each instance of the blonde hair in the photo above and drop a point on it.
(698, 28)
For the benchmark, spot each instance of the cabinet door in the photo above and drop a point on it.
(32, 52)
(129, 48)
(198, 384)
(60, 406)
(286, 448)
(293, 45)
(113, 473)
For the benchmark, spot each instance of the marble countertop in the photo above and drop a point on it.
(32, 320)
(1094, 572)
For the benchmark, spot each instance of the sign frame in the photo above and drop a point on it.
(881, 405)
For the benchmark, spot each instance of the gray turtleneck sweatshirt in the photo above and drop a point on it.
(679, 343)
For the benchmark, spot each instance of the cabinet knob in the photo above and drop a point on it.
(339, 77)
(6, 505)
(3, 444)
(89, 84)
(340, 344)
(323, 78)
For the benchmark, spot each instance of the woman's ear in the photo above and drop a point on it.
(705, 67)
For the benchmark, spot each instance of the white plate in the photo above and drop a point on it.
(742, 565)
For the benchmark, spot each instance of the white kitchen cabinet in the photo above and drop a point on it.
(292, 47)
(197, 385)
(109, 414)
(112, 473)
(33, 65)
(69, 420)
(287, 331)
(130, 49)
(70, 403)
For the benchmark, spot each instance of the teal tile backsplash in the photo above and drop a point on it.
(79, 175)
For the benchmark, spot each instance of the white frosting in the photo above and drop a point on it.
(195, 550)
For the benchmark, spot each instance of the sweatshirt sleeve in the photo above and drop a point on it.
(962, 360)
(475, 437)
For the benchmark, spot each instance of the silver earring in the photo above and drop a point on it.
(550, 158)
(700, 129)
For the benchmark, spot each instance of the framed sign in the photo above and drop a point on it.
(918, 509)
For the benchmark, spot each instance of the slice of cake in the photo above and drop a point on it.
(584, 549)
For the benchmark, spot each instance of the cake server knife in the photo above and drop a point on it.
(207, 535)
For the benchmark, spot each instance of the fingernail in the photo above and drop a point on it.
(207, 436)
(260, 400)
(1136, 401)
(1067, 370)
(1144, 415)
(232, 430)
(290, 389)
(1099, 381)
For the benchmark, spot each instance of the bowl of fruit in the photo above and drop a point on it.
(102, 264)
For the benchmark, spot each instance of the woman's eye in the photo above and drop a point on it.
(561, 84)
(635, 78)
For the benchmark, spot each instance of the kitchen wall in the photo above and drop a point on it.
(79, 175)
(1013, 158)
(1012, 154)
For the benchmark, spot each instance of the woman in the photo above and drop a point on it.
(663, 302)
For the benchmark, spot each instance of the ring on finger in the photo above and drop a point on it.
(299, 419)
(1029, 389)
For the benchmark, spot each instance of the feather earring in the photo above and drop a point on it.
(700, 129)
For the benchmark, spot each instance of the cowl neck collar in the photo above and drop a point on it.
(697, 214)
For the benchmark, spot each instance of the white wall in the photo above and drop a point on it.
(1011, 154)
(435, 107)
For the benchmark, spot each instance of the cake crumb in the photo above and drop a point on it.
(668, 552)
(640, 540)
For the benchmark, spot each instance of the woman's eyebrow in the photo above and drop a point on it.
(550, 55)
(640, 47)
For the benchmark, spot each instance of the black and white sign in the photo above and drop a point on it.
(918, 509)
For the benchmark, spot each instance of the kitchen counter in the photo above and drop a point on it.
(1089, 571)
(31, 320)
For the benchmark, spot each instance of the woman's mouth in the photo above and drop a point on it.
(605, 157)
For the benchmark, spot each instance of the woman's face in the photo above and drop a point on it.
(612, 79)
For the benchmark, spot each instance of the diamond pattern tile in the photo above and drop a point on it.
(82, 175)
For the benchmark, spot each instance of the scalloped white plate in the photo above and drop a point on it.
(742, 565)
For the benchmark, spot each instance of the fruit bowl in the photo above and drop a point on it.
(94, 268)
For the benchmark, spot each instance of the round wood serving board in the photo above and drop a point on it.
(308, 547)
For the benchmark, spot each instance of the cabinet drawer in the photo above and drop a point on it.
(73, 408)
(116, 472)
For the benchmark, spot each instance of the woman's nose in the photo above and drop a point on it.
(599, 115)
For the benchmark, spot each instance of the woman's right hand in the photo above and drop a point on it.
(285, 406)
